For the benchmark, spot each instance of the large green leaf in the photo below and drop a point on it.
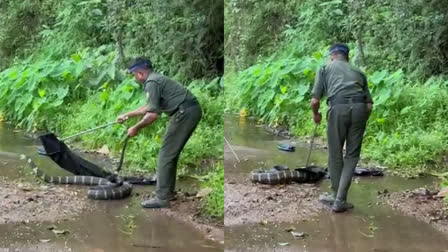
(62, 92)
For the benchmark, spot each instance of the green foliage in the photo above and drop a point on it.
(269, 49)
(272, 88)
(253, 29)
(408, 122)
(62, 60)
(409, 35)
(183, 40)
(32, 91)
(189, 33)
(82, 92)
(214, 202)
(406, 131)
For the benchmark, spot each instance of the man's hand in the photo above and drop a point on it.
(315, 104)
(122, 118)
(133, 131)
(317, 118)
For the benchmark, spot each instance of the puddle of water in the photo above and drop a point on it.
(371, 226)
(256, 145)
(120, 225)
(114, 226)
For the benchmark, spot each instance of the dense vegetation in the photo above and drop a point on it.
(63, 70)
(410, 35)
(275, 49)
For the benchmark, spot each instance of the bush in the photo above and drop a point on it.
(214, 202)
(407, 130)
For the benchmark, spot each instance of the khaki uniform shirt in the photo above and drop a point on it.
(164, 94)
(340, 79)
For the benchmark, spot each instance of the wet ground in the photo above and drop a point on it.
(40, 217)
(295, 224)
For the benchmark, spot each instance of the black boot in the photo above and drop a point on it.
(156, 203)
(341, 206)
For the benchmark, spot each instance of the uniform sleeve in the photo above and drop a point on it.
(153, 94)
(319, 85)
(366, 89)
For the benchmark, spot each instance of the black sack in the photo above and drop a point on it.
(66, 159)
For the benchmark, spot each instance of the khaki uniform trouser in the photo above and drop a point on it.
(346, 124)
(180, 127)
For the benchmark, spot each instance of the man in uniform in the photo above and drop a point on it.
(350, 104)
(170, 97)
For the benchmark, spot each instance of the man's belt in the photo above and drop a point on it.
(185, 104)
(346, 100)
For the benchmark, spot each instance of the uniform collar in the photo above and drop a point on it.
(147, 78)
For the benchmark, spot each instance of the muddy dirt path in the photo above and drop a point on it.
(35, 216)
(289, 218)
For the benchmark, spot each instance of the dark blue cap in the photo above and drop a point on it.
(140, 63)
(341, 48)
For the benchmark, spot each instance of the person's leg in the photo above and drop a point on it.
(353, 150)
(336, 133)
(180, 128)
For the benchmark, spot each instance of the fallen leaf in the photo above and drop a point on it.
(283, 243)
(443, 193)
(290, 229)
(104, 150)
(207, 246)
(60, 232)
(366, 235)
(299, 234)
(204, 192)
(263, 222)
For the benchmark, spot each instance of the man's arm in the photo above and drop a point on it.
(316, 94)
(150, 111)
(138, 112)
(315, 104)
(369, 101)
(147, 119)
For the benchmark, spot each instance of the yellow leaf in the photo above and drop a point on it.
(243, 112)
(42, 92)
(283, 89)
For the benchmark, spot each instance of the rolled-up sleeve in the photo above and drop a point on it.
(153, 93)
(319, 85)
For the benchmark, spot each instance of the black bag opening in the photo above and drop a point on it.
(67, 160)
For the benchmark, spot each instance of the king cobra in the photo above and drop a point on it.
(103, 189)
(282, 175)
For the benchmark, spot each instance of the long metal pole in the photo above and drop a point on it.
(311, 146)
(87, 131)
(236, 156)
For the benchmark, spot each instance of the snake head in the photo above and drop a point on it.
(112, 178)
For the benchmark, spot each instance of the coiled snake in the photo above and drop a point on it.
(103, 189)
(280, 175)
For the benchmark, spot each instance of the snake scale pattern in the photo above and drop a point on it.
(102, 188)
(282, 175)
